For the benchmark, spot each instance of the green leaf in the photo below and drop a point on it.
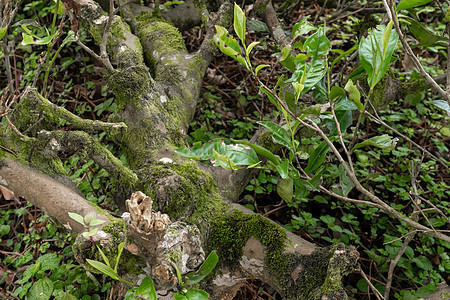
(286, 59)
(375, 52)
(423, 35)
(354, 94)
(29, 272)
(317, 45)
(224, 161)
(3, 31)
(285, 189)
(96, 222)
(250, 47)
(207, 266)
(103, 268)
(49, 261)
(146, 289)
(344, 54)
(196, 294)
(423, 262)
(77, 218)
(406, 4)
(65, 296)
(336, 92)
(179, 296)
(279, 134)
(91, 232)
(317, 157)
(41, 290)
(283, 169)
(119, 253)
(345, 119)
(260, 150)
(259, 67)
(383, 141)
(228, 45)
(346, 183)
(301, 28)
(239, 23)
(442, 105)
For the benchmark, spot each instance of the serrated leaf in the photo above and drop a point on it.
(309, 74)
(279, 134)
(375, 55)
(146, 289)
(354, 94)
(317, 45)
(49, 261)
(239, 23)
(336, 92)
(65, 296)
(423, 262)
(317, 157)
(224, 161)
(285, 189)
(103, 268)
(228, 45)
(383, 141)
(407, 4)
(259, 67)
(250, 47)
(301, 28)
(205, 269)
(344, 118)
(423, 35)
(29, 272)
(283, 169)
(275, 159)
(41, 289)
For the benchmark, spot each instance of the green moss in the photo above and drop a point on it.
(230, 233)
(266, 141)
(190, 194)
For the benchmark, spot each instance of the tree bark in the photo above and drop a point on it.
(156, 84)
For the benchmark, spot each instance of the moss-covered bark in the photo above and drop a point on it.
(156, 85)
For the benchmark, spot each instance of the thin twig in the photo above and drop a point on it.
(415, 60)
(415, 170)
(374, 290)
(378, 120)
(103, 53)
(385, 207)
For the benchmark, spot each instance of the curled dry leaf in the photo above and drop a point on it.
(8, 194)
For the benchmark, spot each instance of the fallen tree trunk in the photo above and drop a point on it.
(182, 211)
